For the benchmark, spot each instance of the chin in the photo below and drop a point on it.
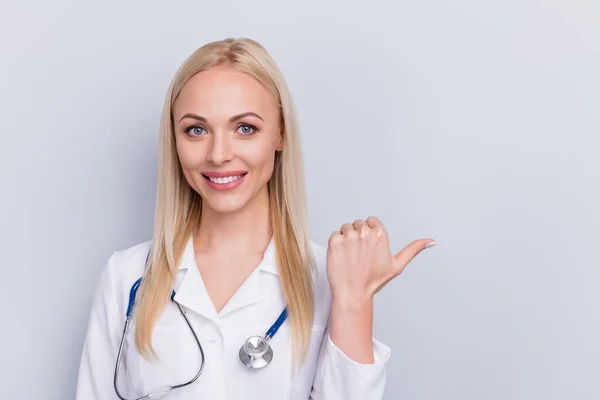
(222, 206)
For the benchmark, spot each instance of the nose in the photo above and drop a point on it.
(220, 148)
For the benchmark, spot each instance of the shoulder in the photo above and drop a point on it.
(130, 260)
(125, 266)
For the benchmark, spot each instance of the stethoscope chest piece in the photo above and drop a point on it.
(256, 352)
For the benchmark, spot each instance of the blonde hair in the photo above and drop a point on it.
(178, 206)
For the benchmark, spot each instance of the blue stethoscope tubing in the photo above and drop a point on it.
(164, 390)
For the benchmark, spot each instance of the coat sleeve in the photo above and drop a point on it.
(96, 370)
(337, 377)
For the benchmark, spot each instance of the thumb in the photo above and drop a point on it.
(404, 256)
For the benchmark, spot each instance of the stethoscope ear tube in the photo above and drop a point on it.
(187, 321)
(118, 363)
(166, 389)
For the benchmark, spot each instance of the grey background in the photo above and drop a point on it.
(472, 122)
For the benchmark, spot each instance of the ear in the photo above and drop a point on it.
(280, 143)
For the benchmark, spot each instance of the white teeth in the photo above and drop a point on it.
(225, 179)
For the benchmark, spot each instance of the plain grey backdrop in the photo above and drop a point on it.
(473, 122)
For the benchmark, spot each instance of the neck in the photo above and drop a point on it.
(247, 230)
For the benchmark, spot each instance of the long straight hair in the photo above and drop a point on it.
(178, 205)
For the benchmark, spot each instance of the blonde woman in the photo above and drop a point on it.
(231, 259)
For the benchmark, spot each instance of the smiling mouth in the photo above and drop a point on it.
(225, 179)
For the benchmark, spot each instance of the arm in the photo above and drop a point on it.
(100, 348)
(352, 327)
(351, 363)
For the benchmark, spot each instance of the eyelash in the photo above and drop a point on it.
(187, 130)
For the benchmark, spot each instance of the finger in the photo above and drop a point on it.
(406, 255)
(361, 226)
(374, 222)
(376, 225)
(334, 238)
(346, 228)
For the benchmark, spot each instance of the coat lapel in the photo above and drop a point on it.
(193, 295)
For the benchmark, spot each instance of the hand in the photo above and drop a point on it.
(359, 261)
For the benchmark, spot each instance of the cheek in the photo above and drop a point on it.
(189, 157)
(261, 159)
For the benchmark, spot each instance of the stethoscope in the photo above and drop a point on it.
(255, 353)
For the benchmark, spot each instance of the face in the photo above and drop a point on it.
(227, 132)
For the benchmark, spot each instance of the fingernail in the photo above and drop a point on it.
(430, 244)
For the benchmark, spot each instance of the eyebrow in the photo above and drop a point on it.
(232, 119)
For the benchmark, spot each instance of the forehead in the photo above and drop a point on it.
(223, 92)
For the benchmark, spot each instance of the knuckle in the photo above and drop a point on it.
(353, 235)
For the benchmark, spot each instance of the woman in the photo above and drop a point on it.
(231, 243)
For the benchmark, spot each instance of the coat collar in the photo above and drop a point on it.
(191, 291)
(267, 264)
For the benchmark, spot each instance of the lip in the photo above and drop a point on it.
(217, 174)
(226, 186)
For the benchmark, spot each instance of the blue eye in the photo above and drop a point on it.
(247, 129)
(194, 130)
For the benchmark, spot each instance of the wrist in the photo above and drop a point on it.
(352, 326)
(351, 303)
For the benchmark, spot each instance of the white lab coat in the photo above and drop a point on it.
(326, 374)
